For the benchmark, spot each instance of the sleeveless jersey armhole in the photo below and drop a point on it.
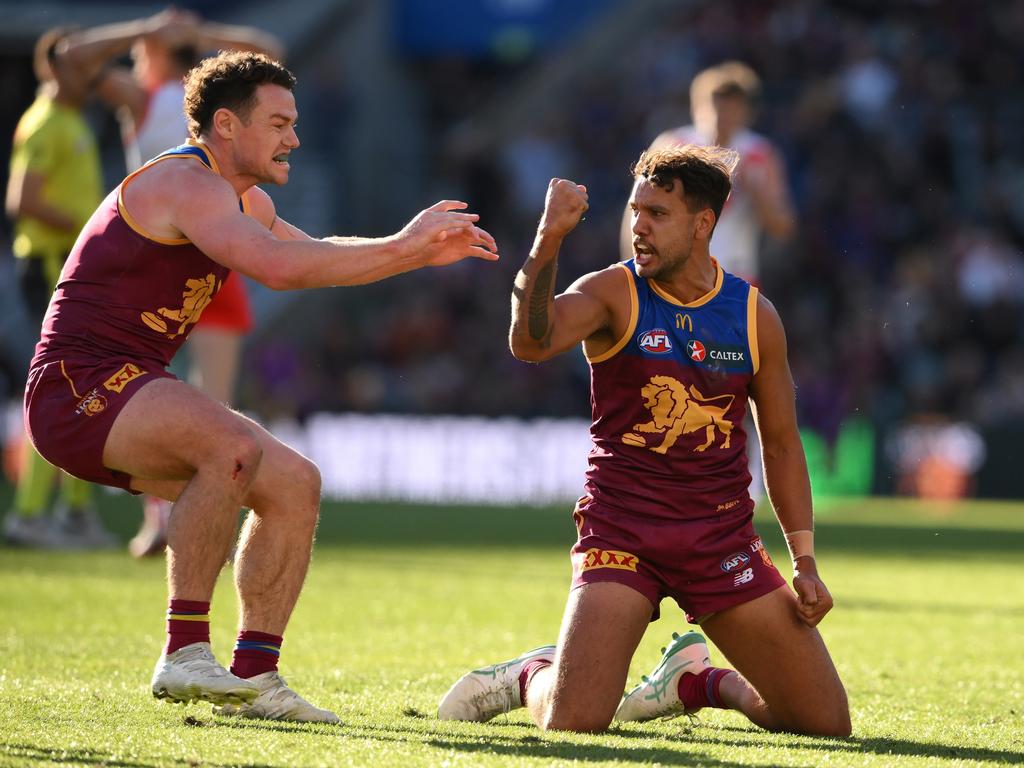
(122, 209)
(634, 312)
(755, 360)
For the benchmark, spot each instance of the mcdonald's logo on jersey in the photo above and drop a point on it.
(656, 341)
(684, 322)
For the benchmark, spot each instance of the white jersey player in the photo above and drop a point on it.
(721, 103)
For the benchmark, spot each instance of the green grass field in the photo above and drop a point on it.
(928, 635)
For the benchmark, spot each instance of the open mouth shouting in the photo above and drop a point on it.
(643, 252)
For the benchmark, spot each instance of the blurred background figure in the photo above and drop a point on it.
(54, 184)
(147, 98)
(722, 102)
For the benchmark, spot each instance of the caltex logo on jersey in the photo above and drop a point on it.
(655, 341)
(695, 350)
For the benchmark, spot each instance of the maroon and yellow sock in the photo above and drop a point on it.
(702, 690)
(526, 675)
(188, 621)
(255, 653)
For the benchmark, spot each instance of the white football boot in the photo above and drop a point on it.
(657, 695)
(485, 693)
(193, 673)
(276, 701)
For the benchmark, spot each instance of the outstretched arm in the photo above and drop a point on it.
(544, 325)
(203, 208)
(785, 467)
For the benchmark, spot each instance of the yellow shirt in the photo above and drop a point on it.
(54, 141)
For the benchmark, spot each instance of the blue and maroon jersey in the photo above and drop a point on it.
(125, 293)
(668, 402)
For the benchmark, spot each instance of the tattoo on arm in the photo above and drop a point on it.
(540, 296)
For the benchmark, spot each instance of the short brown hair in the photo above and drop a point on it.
(730, 78)
(704, 173)
(229, 81)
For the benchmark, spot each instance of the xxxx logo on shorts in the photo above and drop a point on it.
(607, 558)
(128, 373)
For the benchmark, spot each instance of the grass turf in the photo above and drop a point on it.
(401, 600)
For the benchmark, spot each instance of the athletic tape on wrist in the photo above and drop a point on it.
(800, 543)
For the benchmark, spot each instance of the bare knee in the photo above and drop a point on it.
(309, 476)
(831, 720)
(290, 481)
(834, 722)
(561, 718)
(237, 455)
(301, 476)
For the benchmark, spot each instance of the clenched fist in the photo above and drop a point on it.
(564, 206)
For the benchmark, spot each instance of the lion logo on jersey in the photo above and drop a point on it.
(198, 293)
(676, 411)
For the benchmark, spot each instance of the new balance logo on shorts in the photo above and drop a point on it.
(607, 558)
(743, 577)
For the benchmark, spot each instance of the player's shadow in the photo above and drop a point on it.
(84, 756)
(877, 746)
(563, 746)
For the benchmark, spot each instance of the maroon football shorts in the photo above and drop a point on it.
(70, 407)
(706, 565)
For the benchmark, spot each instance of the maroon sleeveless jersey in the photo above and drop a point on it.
(124, 293)
(668, 403)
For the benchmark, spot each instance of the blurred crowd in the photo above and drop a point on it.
(903, 291)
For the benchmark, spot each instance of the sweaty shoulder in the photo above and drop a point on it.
(609, 283)
(613, 288)
(159, 193)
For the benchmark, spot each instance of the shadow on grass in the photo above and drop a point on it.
(552, 746)
(566, 746)
(84, 756)
(857, 745)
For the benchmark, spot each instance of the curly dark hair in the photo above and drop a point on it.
(704, 173)
(229, 81)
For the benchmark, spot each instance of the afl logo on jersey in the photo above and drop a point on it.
(696, 350)
(656, 341)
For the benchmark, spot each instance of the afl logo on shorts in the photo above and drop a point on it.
(696, 350)
(732, 562)
(656, 341)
